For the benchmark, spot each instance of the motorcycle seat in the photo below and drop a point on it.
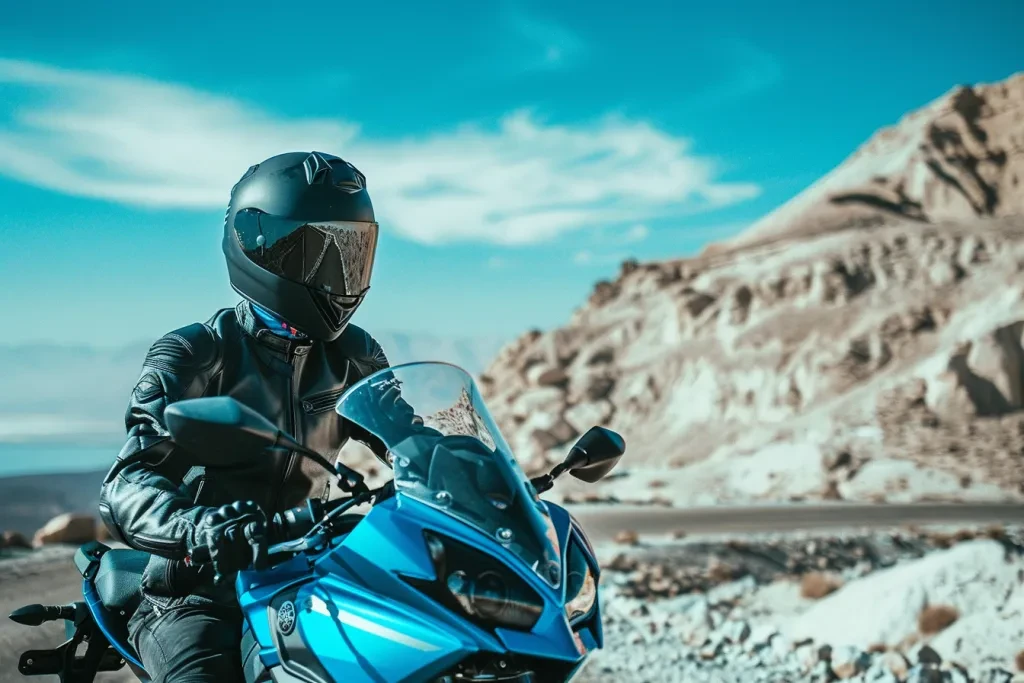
(118, 580)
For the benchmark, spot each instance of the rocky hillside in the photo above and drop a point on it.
(959, 158)
(878, 360)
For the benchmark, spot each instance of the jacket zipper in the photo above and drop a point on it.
(293, 420)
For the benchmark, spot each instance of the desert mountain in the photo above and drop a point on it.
(959, 158)
(862, 342)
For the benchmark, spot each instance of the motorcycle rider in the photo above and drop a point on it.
(299, 238)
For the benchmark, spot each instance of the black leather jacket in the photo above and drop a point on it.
(152, 501)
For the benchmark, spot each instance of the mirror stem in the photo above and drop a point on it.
(545, 481)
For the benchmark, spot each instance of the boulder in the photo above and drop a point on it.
(591, 387)
(558, 433)
(583, 416)
(68, 528)
(12, 539)
(544, 399)
(543, 375)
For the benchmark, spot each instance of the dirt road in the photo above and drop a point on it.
(48, 576)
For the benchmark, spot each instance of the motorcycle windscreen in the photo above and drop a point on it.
(447, 452)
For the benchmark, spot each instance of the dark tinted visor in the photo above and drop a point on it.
(331, 257)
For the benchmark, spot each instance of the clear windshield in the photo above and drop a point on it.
(447, 452)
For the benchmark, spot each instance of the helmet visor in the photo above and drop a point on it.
(332, 258)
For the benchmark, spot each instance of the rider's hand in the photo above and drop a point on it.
(233, 534)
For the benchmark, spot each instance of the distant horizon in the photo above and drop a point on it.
(48, 458)
(74, 395)
(145, 342)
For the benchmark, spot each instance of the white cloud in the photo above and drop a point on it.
(637, 233)
(144, 142)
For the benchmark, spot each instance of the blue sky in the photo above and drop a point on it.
(516, 151)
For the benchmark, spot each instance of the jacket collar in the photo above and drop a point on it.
(252, 326)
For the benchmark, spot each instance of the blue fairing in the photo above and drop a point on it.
(367, 623)
(108, 624)
(463, 573)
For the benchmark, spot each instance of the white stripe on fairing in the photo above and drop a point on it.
(356, 621)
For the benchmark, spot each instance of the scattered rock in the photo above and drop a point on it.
(925, 674)
(627, 537)
(816, 585)
(736, 631)
(926, 655)
(936, 618)
(849, 661)
(897, 664)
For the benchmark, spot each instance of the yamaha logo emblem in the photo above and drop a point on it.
(286, 617)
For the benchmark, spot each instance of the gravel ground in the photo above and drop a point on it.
(771, 607)
(729, 610)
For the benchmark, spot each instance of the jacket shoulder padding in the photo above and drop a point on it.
(175, 361)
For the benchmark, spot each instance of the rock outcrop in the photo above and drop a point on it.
(781, 368)
(12, 539)
(68, 528)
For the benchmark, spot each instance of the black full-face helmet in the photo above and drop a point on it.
(300, 237)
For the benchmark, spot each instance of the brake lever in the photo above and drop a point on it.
(349, 480)
(297, 545)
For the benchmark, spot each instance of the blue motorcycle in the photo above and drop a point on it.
(458, 572)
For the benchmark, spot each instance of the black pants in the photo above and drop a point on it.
(188, 640)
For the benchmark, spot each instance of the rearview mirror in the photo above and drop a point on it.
(595, 454)
(219, 432)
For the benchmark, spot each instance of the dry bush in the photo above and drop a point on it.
(936, 618)
(816, 585)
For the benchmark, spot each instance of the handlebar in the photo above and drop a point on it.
(283, 527)
(289, 531)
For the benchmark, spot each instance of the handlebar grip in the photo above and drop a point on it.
(36, 615)
(198, 555)
(296, 522)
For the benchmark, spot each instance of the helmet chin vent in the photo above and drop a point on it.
(334, 313)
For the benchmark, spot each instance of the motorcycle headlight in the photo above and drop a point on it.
(478, 586)
(580, 585)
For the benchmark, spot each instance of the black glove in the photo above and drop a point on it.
(235, 538)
